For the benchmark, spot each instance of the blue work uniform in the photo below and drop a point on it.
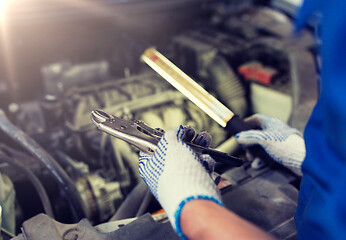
(321, 212)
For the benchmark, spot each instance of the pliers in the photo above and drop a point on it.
(146, 138)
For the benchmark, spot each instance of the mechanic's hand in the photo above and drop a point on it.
(283, 143)
(175, 174)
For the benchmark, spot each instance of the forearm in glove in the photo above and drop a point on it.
(176, 175)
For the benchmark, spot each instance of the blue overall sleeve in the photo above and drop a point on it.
(321, 211)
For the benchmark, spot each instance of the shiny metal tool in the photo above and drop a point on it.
(146, 138)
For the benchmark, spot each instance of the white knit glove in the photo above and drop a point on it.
(283, 143)
(176, 176)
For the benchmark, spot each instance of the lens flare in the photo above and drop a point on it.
(2, 6)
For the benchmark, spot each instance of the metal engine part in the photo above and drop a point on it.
(59, 77)
(100, 197)
(41, 227)
(7, 204)
(129, 97)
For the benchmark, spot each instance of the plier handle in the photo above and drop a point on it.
(146, 138)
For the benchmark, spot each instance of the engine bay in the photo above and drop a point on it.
(242, 52)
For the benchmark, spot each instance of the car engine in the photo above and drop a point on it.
(62, 60)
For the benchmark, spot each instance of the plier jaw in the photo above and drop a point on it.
(136, 133)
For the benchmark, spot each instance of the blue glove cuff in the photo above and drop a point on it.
(182, 204)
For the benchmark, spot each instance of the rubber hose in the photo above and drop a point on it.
(145, 203)
(47, 161)
(130, 205)
(35, 182)
(228, 85)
